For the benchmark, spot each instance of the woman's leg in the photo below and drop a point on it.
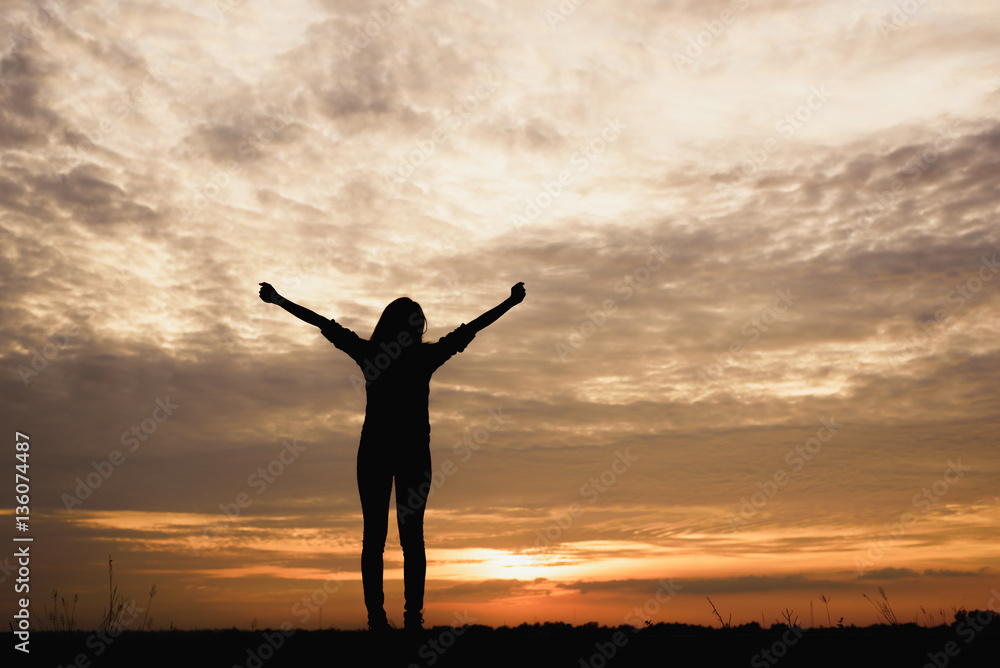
(413, 481)
(375, 488)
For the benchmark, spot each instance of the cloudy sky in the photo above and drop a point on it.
(757, 359)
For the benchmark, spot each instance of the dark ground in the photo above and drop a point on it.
(963, 643)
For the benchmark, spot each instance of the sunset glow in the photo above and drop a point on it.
(757, 360)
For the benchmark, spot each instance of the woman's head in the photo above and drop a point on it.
(402, 315)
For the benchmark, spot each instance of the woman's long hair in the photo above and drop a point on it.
(402, 315)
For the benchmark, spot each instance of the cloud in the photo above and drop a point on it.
(947, 573)
(889, 573)
(733, 585)
(145, 194)
(491, 589)
(26, 120)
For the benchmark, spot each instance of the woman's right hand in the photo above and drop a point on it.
(269, 294)
(517, 293)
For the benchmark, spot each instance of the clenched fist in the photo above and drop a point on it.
(517, 293)
(269, 294)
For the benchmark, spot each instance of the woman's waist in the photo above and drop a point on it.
(398, 426)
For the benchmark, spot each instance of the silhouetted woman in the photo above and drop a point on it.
(395, 438)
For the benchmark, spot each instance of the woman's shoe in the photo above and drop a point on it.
(413, 622)
(379, 624)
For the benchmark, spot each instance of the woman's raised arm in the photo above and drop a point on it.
(491, 316)
(271, 296)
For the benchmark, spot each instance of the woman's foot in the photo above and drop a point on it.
(379, 624)
(413, 622)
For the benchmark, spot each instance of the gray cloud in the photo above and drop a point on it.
(130, 227)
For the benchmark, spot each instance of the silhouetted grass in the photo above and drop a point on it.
(883, 608)
(549, 644)
(972, 639)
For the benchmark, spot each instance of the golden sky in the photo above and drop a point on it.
(757, 360)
